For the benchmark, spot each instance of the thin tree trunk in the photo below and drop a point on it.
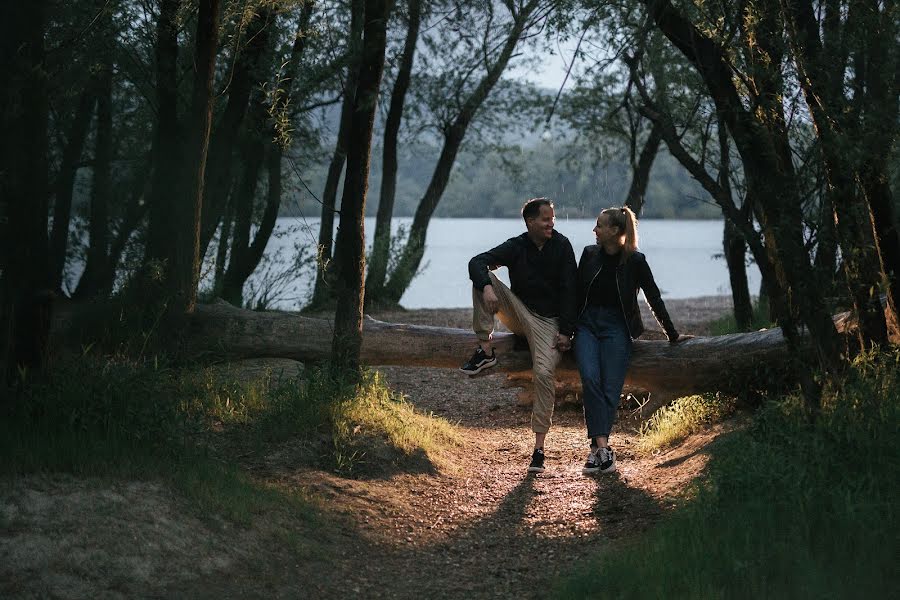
(350, 247)
(640, 176)
(98, 249)
(382, 239)
(323, 293)
(248, 76)
(734, 246)
(222, 250)
(25, 299)
(65, 181)
(233, 283)
(414, 249)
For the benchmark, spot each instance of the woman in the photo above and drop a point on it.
(609, 276)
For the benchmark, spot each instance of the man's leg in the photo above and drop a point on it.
(509, 308)
(544, 358)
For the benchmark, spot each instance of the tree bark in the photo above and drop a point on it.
(248, 76)
(25, 300)
(174, 235)
(382, 238)
(324, 292)
(222, 331)
(98, 249)
(350, 248)
(65, 181)
(734, 246)
(640, 176)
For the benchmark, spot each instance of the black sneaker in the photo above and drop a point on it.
(537, 461)
(607, 459)
(479, 362)
(592, 464)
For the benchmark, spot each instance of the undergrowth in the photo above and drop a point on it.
(685, 416)
(791, 507)
(102, 416)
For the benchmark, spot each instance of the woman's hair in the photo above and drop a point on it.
(623, 218)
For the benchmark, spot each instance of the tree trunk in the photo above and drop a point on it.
(65, 181)
(244, 198)
(733, 245)
(98, 250)
(174, 237)
(350, 248)
(382, 239)
(324, 291)
(248, 77)
(414, 249)
(25, 300)
(223, 332)
(640, 176)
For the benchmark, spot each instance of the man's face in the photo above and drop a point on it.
(541, 226)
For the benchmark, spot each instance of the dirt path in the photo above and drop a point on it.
(479, 528)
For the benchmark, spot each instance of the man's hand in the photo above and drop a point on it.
(563, 343)
(490, 299)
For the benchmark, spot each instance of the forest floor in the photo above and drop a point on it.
(472, 525)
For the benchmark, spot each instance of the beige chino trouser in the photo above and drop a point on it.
(541, 334)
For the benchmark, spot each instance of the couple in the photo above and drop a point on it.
(552, 303)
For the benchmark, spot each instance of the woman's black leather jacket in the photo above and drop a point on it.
(634, 274)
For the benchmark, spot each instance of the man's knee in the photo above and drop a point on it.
(544, 373)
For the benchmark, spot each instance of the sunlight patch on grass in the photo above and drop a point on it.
(685, 416)
(374, 411)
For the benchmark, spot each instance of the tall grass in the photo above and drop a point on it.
(685, 416)
(791, 508)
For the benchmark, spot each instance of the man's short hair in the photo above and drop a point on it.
(532, 208)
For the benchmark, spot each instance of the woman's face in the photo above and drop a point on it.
(604, 231)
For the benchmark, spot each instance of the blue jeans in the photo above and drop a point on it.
(602, 351)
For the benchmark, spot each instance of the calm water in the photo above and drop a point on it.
(681, 253)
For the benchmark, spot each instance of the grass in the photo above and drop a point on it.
(727, 324)
(99, 416)
(791, 507)
(685, 416)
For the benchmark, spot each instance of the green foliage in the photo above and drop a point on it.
(790, 508)
(685, 416)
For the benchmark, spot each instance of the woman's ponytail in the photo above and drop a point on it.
(625, 219)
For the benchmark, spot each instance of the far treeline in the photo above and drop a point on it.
(192, 123)
(495, 182)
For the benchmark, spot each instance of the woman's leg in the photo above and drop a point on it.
(587, 356)
(614, 345)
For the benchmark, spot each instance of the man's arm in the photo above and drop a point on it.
(500, 256)
(568, 292)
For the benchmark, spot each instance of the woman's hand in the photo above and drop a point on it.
(563, 343)
(682, 338)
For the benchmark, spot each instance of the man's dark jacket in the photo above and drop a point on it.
(544, 280)
(634, 274)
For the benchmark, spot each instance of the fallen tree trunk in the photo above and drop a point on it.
(700, 364)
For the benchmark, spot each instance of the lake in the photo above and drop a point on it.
(683, 254)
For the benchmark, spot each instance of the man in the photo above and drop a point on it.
(540, 306)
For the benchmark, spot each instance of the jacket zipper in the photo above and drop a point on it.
(622, 304)
(588, 290)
